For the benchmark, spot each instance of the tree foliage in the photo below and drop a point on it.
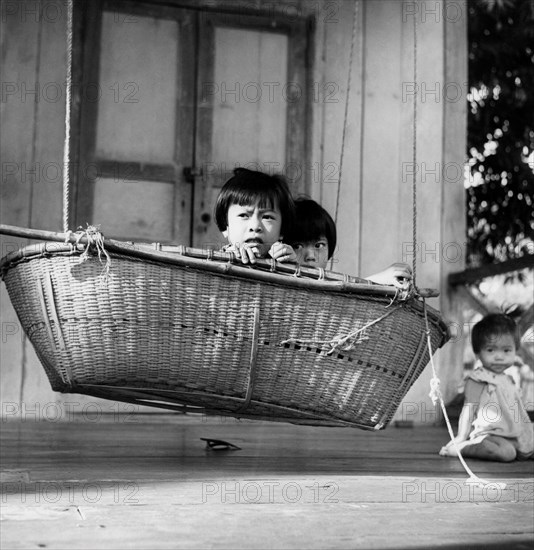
(500, 185)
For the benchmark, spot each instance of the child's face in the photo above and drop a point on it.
(498, 353)
(312, 253)
(252, 224)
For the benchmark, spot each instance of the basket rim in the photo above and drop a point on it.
(185, 256)
(224, 264)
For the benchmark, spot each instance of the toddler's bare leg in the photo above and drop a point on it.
(493, 448)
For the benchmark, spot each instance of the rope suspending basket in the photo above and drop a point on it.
(193, 330)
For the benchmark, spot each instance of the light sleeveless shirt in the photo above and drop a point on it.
(501, 411)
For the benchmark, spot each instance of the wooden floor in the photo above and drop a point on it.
(149, 481)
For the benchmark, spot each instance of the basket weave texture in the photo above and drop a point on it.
(156, 333)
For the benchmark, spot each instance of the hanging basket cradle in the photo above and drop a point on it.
(197, 331)
(194, 331)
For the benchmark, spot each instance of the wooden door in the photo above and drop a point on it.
(252, 97)
(184, 97)
(136, 135)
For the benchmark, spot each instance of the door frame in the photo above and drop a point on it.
(85, 72)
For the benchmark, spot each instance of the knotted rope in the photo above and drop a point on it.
(403, 293)
(339, 342)
(94, 237)
(94, 240)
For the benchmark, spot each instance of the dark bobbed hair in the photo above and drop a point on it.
(312, 222)
(493, 326)
(247, 187)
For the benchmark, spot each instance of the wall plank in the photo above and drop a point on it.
(20, 32)
(341, 197)
(19, 75)
(12, 359)
(387, 140)
(50, 119)
(452, 216)
(441, 138)
(382, 135)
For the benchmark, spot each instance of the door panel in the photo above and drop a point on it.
(138, 137)
(135, 210)
(244, 108)
(249, 113)
(138, 80)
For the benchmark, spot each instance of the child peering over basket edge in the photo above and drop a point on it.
(313, 237)
(254, 211)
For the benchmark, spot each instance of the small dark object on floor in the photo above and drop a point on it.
(219, 445)
(403, 423)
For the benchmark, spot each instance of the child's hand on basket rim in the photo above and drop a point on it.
(398, 274)
(282, 252)
(248, 252)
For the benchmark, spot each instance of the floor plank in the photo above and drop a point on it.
(149, 481)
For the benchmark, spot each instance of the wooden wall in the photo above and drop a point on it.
(32, 133)
(374, 212)
(372, 202)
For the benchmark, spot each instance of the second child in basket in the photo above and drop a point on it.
(314, 238)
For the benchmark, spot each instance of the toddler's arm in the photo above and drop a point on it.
(473, 391)
(465, 422)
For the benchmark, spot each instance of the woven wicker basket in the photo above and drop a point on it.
(194, 331)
